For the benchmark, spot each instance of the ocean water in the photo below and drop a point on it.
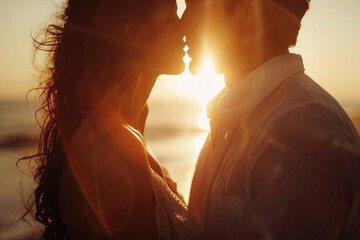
(171, 132)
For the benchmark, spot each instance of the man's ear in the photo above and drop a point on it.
(247, 12)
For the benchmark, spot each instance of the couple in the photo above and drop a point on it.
(282, 160)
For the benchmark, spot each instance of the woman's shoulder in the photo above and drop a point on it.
(108, 165)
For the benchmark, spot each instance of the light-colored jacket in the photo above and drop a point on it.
(282, 160)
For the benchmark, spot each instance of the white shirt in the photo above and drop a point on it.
(262, 171)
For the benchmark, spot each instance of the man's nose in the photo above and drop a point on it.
(185, 21)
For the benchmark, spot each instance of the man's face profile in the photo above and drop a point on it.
(213, 28)
(204, 27)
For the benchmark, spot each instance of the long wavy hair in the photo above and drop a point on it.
(84, 46)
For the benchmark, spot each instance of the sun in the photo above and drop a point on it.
(207, 70)
(212, 83)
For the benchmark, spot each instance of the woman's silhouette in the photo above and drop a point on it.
(96, 178)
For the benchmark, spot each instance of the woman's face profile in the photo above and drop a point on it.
(165, 40)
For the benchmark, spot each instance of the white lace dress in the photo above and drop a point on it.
(173, 218)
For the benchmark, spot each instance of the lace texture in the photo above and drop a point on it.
(174, 221)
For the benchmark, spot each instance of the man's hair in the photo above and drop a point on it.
(283, 20)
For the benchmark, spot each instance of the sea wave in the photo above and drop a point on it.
(18, 141)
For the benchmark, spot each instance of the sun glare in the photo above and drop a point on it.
(213, 82)
(203, 87)
(207, 70)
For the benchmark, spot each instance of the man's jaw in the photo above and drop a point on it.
(195, 65)
(196, 60)
(194, 69)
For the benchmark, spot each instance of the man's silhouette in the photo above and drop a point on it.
(282, 160)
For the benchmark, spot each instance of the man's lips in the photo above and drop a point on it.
(191, 51)
(190, 45)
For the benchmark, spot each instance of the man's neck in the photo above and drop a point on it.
(248, 59)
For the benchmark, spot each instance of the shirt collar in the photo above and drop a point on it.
(250, 91)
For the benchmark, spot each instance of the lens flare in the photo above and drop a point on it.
(207, 70)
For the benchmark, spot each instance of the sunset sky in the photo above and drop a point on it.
(329, 43)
